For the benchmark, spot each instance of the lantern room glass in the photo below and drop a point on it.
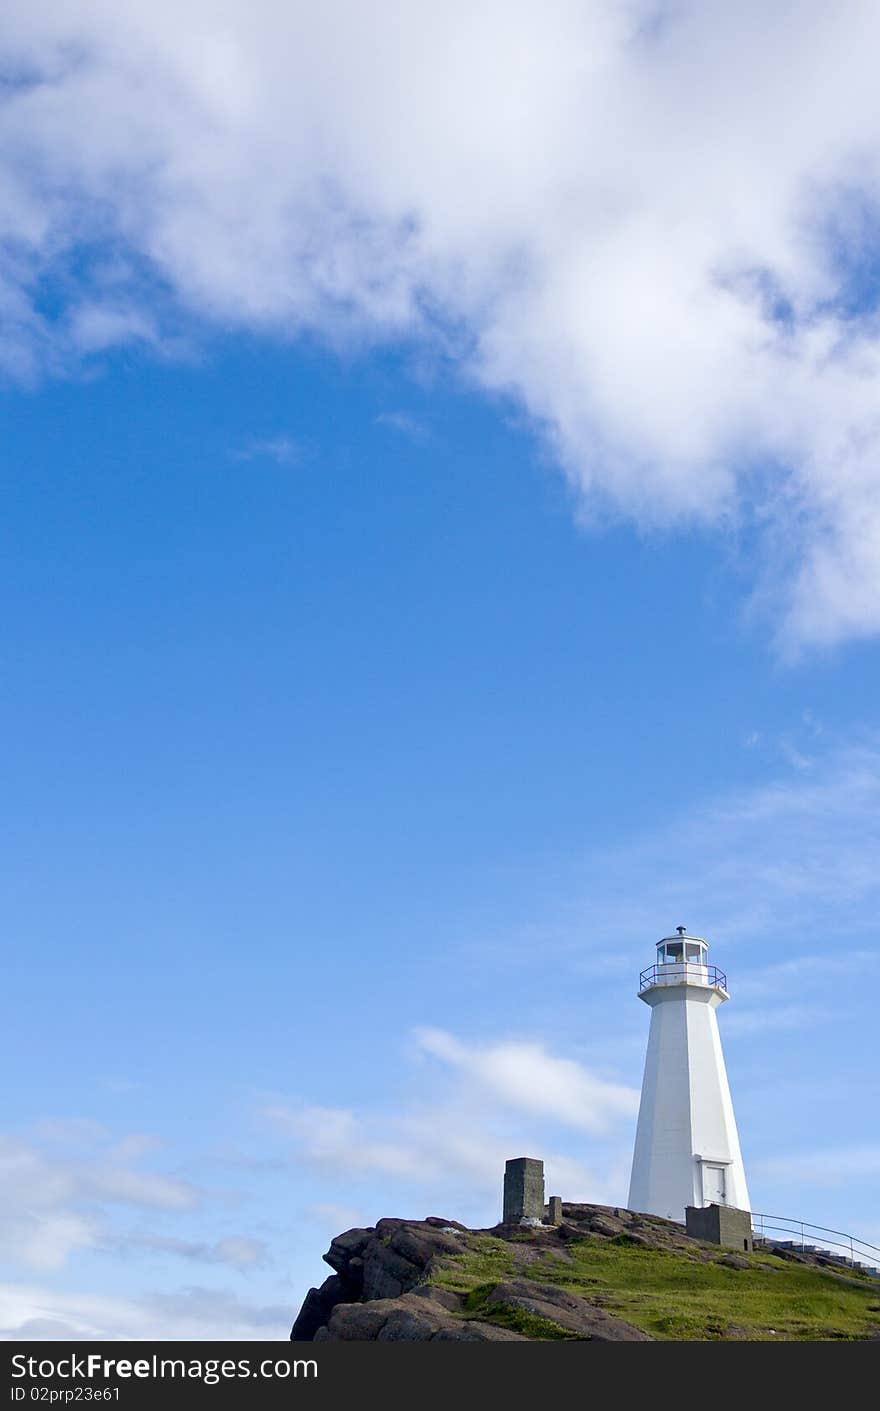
(682, 952)
(681, 958)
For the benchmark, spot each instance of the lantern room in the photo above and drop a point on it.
(682, 949)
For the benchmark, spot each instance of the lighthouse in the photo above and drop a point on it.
(687, 1147)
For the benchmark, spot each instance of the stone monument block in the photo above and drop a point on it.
(523, 1190)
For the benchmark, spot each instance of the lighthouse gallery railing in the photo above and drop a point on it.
(672, 973)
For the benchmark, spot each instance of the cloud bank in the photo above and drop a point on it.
(53, 1202)
(484, 1103)
(523, 1076)
(654, 226)
(34, 1313)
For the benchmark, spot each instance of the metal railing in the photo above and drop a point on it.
(688, 972)
(846, 1248)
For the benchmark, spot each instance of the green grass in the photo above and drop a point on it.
(673, 1296)
(507, 1315)
(487, 1263)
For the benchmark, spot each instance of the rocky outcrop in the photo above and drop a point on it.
(568, 1311)
(372, 1266)
(425, 1315)
(434, 1280)
(381, 1288)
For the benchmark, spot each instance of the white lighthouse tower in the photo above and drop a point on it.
(687, 1147)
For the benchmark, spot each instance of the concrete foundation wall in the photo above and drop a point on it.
(720, 1224)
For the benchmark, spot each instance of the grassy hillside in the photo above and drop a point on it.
(670, 1294)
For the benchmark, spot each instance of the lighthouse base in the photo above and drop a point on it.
(720, 1224)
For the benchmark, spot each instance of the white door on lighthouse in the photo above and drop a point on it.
(714, 1184)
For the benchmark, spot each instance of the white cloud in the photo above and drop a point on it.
(450, 1151)
(94, 327)
(654, 225)
(70, 1187)
(494, 1101)
(235, 1251)
(54, 1202)
(33, 1313)
(137, 1188)
(334, 1137)
(45, 1239)
(404, 422)
(525, 1077)
(283, 450)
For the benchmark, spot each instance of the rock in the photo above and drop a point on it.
(381, 1262)
(444, 1298)
(637, 1237)
(419, 1246)
(790, 1254)
(475, 1331)
(605, 1225)
(411, 1325)
(407, 1319)
(399, 1254)
(386, 1274)
(434, 1315)
(733, 1261)
(384, 1282)
(567, 1310)
(317, 1307)
(344, 1248)
(356, 1322)
(381, 1288)
(525, 1253)
(569, 1231)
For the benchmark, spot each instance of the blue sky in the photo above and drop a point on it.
(416, 606)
